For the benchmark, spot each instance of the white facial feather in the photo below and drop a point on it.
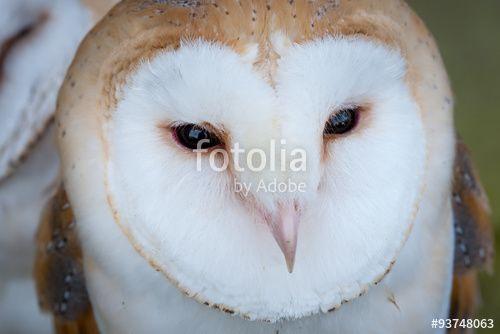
(361, 197)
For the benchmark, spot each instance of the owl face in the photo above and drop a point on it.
(343, 103)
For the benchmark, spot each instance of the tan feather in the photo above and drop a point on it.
(58, 272)
(474, 248)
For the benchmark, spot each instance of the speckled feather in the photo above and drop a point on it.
(58, 269)
(474, 249)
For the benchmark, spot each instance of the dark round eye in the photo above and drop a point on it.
(341, 122)
(194, 137)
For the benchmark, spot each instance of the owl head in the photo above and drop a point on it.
(268, 157)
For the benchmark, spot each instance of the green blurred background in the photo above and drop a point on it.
(468, 34)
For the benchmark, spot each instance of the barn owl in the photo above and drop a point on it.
(384, 230)
(38, 39)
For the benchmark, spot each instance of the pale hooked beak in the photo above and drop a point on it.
(284, 227)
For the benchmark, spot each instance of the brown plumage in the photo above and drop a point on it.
(59, 274)
(474, 249)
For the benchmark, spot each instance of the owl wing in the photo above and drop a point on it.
(59, 276)
(474, 248)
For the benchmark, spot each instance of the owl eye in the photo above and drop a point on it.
(342, 121)
(194, 137)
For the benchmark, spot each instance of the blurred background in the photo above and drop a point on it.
(468, 34)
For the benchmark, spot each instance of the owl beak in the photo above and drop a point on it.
(284, 227)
